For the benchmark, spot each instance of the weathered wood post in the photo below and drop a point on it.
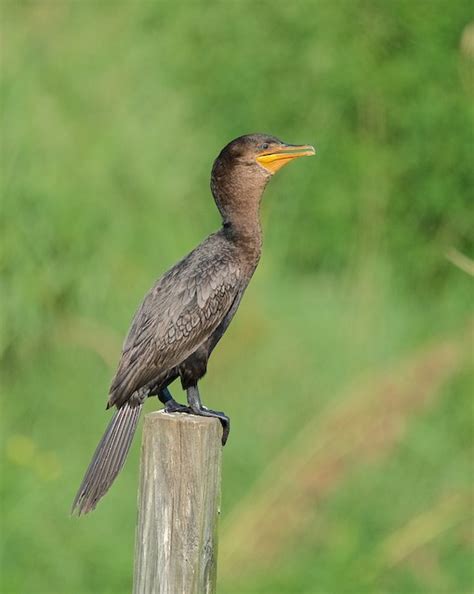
(178, 505)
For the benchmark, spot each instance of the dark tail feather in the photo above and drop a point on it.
(108, 458)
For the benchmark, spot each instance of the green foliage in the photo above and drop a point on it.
(111, 116)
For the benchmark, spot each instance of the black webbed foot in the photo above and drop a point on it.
(171, 406)
(197, 408)
(223, 418)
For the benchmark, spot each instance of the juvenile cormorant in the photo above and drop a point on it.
(189, 308)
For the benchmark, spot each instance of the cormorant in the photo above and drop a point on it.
(189, 308)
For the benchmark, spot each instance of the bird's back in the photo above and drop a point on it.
(178, 314)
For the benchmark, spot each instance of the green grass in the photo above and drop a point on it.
(111, 117)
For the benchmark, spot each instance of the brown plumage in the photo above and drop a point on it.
(186, 312)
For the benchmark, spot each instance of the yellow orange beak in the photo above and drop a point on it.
(276, 157)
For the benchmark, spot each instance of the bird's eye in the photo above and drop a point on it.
(264, 146)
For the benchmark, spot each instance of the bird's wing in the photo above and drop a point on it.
(177, 315)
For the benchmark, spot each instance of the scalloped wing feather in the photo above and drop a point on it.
(178, 314)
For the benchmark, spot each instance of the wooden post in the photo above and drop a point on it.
(178, 505)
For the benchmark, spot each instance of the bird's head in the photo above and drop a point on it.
(244, 167)
(263, 152)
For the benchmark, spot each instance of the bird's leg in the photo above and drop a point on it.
(170, 403)
(196, 406)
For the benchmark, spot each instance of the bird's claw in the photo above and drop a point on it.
(225, 422)
(175, 407)
(171, 406)
(223, 418)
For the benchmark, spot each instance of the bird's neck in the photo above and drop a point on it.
(241, 222)
(238, 191)
(246, 234)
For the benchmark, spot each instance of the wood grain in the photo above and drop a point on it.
(178, 505)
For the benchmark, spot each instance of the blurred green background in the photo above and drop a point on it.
(348, 371)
